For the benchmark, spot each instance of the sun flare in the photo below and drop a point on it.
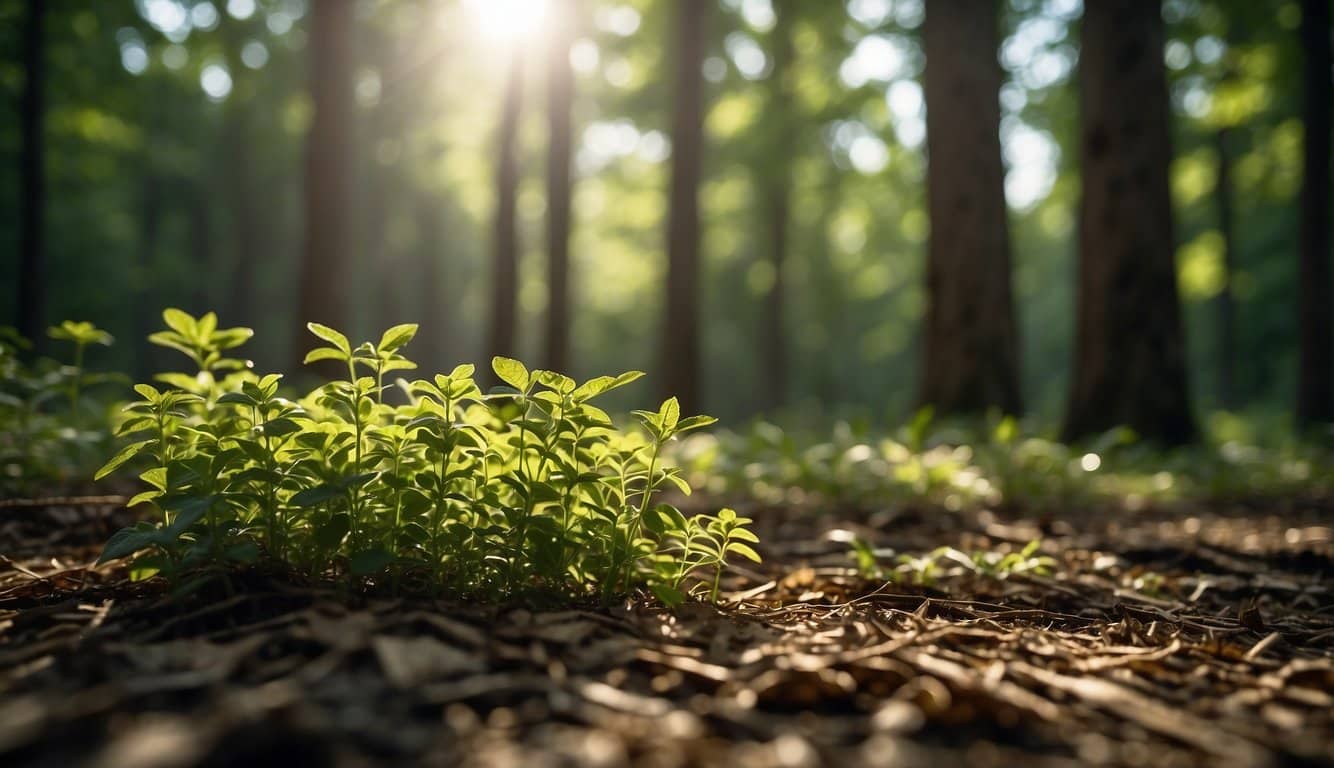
(508, 20)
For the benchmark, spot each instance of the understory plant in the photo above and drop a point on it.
(924, 570)
(425, 484)
(53, 428)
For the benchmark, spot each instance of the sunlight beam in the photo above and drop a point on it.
(508, 20)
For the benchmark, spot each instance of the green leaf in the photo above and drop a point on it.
(694, 422)
(143, 497)
(396, 337)
(743, 534)
(324, 353)
(338, 340)
(281, 426)
(231, 338)
(181, 323)
(556, 381)
(127, 541)
(318, 495)
(122, 456)
(744, 550)
(236, 398)
(369, 561)
(668, 415)
(670, 596)
(512, 372)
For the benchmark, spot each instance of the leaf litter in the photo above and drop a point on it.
(1183, 635)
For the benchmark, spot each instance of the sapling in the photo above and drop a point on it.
(80, 334)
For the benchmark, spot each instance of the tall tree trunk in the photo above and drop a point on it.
(31, 301)
(681, 345)
(505, 257)
(1315, 379)
(1130, 366)
(325, 264)
(1226, 302)
(775, 180)
(970, 349)
(560, 94)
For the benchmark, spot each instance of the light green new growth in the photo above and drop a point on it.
(529, 488)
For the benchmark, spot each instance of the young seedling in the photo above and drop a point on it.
(80, 334)
(528, 488)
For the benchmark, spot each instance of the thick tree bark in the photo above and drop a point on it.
(681, 343)
(325, 264)
(1226, 303)
(505, 256)
(1130, 366)
(560, 93)
(775, 180)
(1315, 379)
(31, 300)
(970, 349)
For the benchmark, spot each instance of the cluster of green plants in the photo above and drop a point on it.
(54, 416)
(925, 570)
(1002, 461)
(426, 484)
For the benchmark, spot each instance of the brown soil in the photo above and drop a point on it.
(1190, 635)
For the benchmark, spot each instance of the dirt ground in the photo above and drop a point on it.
(1188, 635)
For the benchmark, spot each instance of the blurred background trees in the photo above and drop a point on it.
(732, 194)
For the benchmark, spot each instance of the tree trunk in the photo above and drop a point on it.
(560, 93)
(1226, 302)
(970, 349)
(1130, 366)
(775, 179)
(325, 264)
(31, 301)
(681, 346)
(1315, 379)
(505, 264)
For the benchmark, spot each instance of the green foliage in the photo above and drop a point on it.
(925, 570)
(426, 484)
(51, 430)
(1003, 462)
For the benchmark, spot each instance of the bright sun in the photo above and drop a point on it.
(507, 20)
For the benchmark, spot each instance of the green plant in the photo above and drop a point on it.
(52, 430)
(426, 484)
(925, 570)
(80, 334)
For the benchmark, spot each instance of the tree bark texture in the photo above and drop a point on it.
(1315, 378)
(681, 342)
(1130, 353)
(325, 268)
(970, 345)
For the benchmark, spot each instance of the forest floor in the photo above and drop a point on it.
(1193, 634)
